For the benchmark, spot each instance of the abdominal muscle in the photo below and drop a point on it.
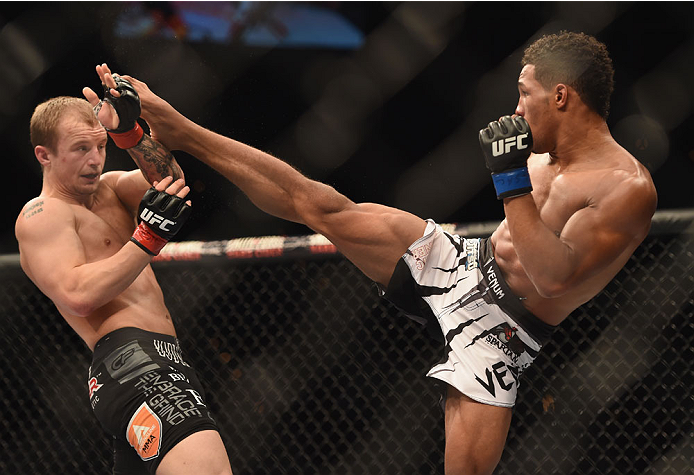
(141, 306)
(551, 311)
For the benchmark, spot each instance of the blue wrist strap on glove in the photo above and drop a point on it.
(511, 183)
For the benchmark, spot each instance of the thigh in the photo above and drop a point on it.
(126, 460)
(372, 236)
(202, 452)
(475, 434)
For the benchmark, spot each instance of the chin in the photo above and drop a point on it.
(89, 189)
(539, 147)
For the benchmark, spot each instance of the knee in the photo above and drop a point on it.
(470, 467)
(470, 462)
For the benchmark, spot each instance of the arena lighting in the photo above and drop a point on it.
(254, 24)
(391, 57)
(22, 62)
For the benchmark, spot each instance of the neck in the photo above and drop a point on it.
(60, 192)
(581, 143)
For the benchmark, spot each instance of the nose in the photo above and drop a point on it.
(519, 109)
(94, 157)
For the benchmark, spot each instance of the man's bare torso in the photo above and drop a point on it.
(102, 232)
(559, 194)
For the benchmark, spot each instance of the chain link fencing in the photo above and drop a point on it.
(309, 372)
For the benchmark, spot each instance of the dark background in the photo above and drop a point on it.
(391, 119)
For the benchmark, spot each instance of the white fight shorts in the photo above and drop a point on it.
(489, 336)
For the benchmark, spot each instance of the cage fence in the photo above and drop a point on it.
(308, 371)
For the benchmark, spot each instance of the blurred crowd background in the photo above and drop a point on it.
(382, 100)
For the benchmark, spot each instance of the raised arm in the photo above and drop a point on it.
(118, 113)
(372, 236)
(53, 256)
(591, 240)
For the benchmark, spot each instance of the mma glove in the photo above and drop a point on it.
(160, 216)
(507, 144)
(127, 106)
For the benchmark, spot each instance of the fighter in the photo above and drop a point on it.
(81, 244)
(576, 206)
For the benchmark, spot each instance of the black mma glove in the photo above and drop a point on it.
(160, 216)
(507, 144)
(127, 106)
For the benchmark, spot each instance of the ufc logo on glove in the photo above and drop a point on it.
(156, 226)
(151, 218)
(506, 145)
(501, 147)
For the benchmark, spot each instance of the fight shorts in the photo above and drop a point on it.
(454, 286)
(145, 396)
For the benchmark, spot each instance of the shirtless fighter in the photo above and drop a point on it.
(576, 208)
(79, 242)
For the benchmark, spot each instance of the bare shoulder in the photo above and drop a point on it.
(121, 180)
(631, 177)
(127, 186)
(43, 218)
(627, 188)
(41, 208)
(111, 178)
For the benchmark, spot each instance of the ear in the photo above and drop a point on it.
(561, 96)
(42, 155)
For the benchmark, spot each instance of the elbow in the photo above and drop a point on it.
(551, 289)
(79, 306)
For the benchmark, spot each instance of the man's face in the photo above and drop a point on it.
(79, 156)
(534, 106)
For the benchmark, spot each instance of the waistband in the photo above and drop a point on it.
(129, 352)
(509, 302)
(122, 336)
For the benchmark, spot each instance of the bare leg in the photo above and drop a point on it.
(201, 453)
(475, 434)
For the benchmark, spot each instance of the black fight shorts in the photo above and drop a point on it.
(145, 396)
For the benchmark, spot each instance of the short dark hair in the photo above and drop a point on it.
(577, 60)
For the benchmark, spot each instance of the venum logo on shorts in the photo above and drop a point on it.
(144, 432)
(420, 254)
(499, 371)
(494, 283)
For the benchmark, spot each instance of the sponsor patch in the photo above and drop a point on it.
(144, 433)
(93, 386)
(472, 250)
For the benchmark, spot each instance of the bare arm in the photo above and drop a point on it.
(372, 236)
(590, 241)
(53, 256)
(155, 163)
(152, 158)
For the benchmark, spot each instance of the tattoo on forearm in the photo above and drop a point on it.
(33, 210)
(154, 160)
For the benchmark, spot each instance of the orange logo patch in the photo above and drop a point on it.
(144, 432)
